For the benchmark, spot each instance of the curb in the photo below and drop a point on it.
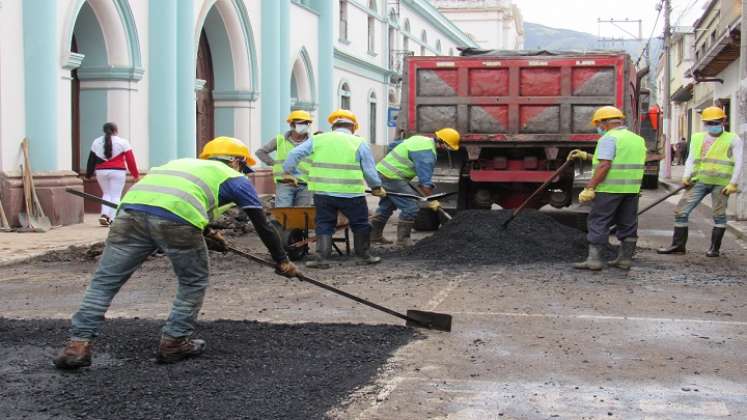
(737, 231)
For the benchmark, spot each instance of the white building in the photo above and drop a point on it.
(492, 24)
(175, 73)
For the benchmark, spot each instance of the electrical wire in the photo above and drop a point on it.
(648, 42)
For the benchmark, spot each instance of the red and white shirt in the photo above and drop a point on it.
(122, 157)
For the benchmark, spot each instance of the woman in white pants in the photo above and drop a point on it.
(110, 158)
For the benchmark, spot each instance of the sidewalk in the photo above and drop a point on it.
(16, 247)
(737, 227)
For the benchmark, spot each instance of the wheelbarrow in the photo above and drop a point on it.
(294, 225)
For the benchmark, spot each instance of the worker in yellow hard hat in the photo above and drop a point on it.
(713, 166)
(170, 209)
(618, 163)
(289, 192)
(341, 166)
(407, 158)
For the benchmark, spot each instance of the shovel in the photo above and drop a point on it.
(414, 318)
(537, 191)
(33, 219)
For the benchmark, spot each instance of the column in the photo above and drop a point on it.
(325, 67)
(185, 81)
(162, 83)
(276, 69)
(41, 68)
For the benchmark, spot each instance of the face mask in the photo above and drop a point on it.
(301, 128)
(715, 129)
(601, 130)
(342, 130)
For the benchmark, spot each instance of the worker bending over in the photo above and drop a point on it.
(714, 166)
(406, 159)
(289, 195)
(169, 209)
(341, 165)
(618, 163)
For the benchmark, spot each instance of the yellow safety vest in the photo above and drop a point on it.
(397, 164)
(283, 148)
(334, 167)
(717, 167)
(626, 173)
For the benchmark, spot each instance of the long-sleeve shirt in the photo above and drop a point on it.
(425, 163)
(121, 157)
(735, 150)
(263, 153)
(363, 155)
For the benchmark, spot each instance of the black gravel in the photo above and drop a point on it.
(476, 237)
(250, 371)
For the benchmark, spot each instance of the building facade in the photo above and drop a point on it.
(492, 24)
(175, 73)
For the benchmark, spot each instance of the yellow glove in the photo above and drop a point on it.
(434, 205)
(378, 192)
(289, 179)
(729, 189)
(687, 182)
(586, 195)
(579, 154)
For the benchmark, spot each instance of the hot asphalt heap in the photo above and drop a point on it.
(250, 371)
(476, 237)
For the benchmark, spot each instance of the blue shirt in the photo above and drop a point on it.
(237, 190)
(424, 160)
(607, 146)
(363, 155)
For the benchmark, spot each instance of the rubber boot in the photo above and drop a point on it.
(76, 354)
(679, 242)
(404, 231)
(362, 245)
(717, 234)
(624, 255)
(172, 350)
(323, 252)
(377, 231)
(593, 261)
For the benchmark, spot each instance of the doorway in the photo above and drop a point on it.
(205, 102)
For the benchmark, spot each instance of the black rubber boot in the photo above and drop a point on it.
(377, 231)
(404, 232)
(679, 242)
(593, 261)
(323, 251)
(362, 245)
(624, 255)
(717, 234)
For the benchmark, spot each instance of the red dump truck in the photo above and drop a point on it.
(519, 114)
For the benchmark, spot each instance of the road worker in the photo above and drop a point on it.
(169, 209)
(714, 166)
(341, 165)
(618, 164)
(289, 195)
(406, 159)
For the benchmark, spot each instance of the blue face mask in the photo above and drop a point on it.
(715, 130)
(601, 131)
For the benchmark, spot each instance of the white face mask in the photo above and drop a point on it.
(343, 130)
(301, 128)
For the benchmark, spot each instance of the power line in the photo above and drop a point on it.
(648, 42)
(685, 11)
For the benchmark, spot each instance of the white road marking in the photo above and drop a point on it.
(703, 408)
(442, 295)
(603, 317)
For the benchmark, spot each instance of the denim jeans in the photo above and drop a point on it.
(354, 208)
(132, 238)
(694, 196)
(286, 195)
(408, 207)
(609, 209)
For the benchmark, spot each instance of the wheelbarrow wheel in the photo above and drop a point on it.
(290, 237)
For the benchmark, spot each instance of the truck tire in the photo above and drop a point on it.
(427, 220)
(650, 182)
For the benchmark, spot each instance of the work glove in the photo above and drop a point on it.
(579, 154)
(287, 269)
(215, 240)
(687, 182)
(729, 189)
(289, 179)
(434, 205)
(378, 192)
(586, 195)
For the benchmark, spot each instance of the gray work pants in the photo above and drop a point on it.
(609, 209)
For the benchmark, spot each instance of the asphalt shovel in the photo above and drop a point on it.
(34, 219)
(537, 191)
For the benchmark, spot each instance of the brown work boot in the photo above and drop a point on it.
(175, 349)
(76, 354)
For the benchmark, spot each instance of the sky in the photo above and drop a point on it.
(582, 15)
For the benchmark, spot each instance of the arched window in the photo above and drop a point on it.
(343, 20)
(372, 121)
(438, 46)
(372, 28)
(405, 36)
(424, 39)
(344, 95)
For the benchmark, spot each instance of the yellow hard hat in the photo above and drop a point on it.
(712, 113)
(343, 115)
(299, 115)
(449, 136)
(227, 146)
(606, 113)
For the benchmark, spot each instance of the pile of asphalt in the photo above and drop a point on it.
(73, 253)
(250, 370)
(477, 237)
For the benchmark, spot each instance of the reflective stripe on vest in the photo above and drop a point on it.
(397, 164)
(188, 188)
(334, 167)
(283, 147)
(626, 172)
(717, 167)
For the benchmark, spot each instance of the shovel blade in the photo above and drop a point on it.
(430, 320)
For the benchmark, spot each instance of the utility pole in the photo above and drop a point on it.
(742, 196)
(667, 102)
